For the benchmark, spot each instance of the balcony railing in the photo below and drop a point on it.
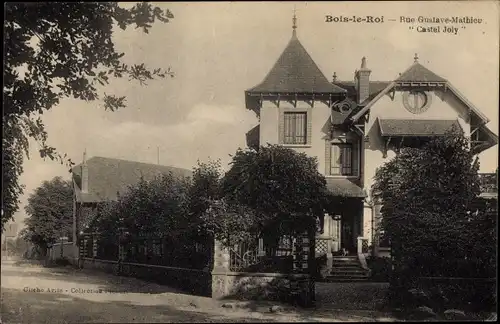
(488, 183)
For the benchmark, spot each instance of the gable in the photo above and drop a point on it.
(440, 106)
(418, 73)
(419, 77)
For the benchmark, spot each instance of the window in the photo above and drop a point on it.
(416, 102)
(295, 128)
(341, 159)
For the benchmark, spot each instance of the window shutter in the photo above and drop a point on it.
(309, 126)
(335, 159)
(328, 156)
(356, 154)
(281, 126)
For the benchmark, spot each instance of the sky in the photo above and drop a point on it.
(218, 50)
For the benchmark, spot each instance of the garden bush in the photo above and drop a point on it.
(380, 267)
(438, 226)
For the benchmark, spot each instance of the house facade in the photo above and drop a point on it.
(353, 127)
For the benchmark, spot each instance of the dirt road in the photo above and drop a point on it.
(34, 294)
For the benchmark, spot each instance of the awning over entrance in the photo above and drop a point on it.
(344, 188)
(398, 133)
(416, 127)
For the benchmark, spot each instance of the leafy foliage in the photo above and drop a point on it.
(17, 246)
(275, 180)
(155, 208)
(57, 50)
(155, 215)
(205, 188)
(482, 243)
(50, 210)
(216, 218)
(273, 189)
(430, 209)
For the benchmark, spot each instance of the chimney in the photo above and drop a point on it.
(85, 174)
(363, 81)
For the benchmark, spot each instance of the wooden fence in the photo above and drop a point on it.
(173, 252)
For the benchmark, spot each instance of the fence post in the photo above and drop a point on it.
(94, 246)
(82, 242)
(303, 264)
(329, 255)
(221, 259)
(360, 245)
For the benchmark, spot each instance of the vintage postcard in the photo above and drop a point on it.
(250, 161)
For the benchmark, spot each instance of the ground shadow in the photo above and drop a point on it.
(103, 280)
(352, 301)
(22, 307)
(366, 296)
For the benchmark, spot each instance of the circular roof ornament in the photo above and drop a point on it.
(416, 102)
(344, 107)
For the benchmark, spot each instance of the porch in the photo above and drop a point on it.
(340, 248)
(341, 226)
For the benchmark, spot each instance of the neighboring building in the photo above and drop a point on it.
(353, 127)
(10, 230)
(9, 233)
(489, 185)
(101, 179)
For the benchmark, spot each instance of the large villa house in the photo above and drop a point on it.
(353, 127)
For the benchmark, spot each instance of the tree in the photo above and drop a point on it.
(50, 213)
(425, 194)
(434, 219)
(155, 208)
(273, 189)
(56, 50)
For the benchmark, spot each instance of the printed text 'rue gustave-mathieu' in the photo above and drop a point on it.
(354, 19)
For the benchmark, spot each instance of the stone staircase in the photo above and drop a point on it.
(347, 268)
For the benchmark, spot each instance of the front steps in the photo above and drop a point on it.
(347, 269)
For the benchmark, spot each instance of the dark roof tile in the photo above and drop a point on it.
(375, 88)
(418, 73)
(108, 176)
(295, 72)
(344, 188)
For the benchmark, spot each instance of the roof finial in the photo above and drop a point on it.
(85, 155)
(334, 77)
(294, 20)
(416, 58)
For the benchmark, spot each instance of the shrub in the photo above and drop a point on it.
(321, 269)
(380, 267)
(436, 224)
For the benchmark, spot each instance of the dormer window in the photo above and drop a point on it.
(295, 128)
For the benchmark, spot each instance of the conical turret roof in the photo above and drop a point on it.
(295, 72)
